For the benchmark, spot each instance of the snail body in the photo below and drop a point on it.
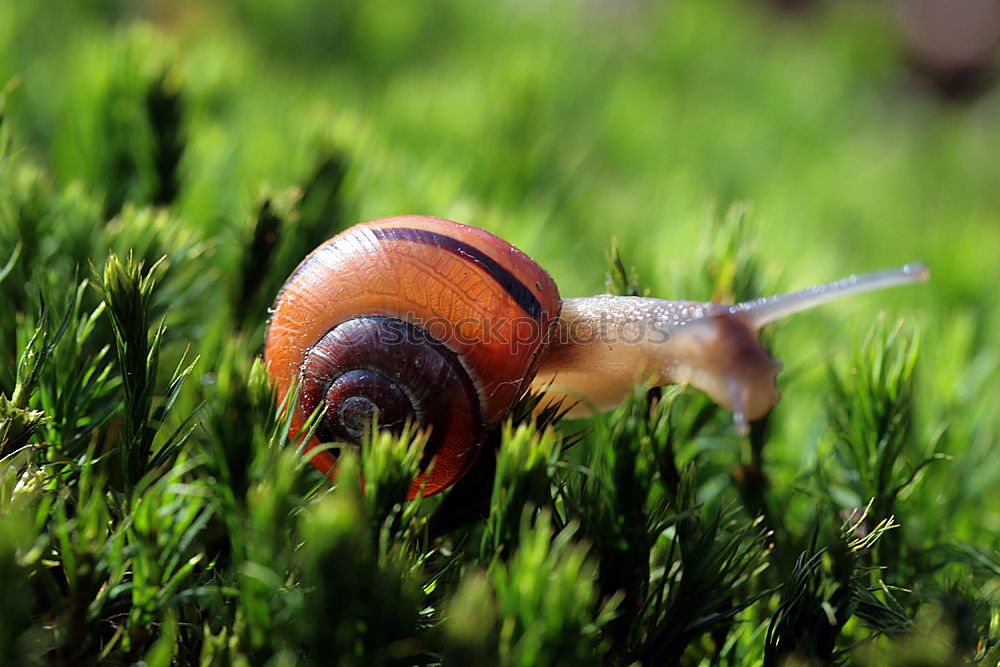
(420, 319)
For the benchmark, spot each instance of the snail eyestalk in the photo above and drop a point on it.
(760, 312)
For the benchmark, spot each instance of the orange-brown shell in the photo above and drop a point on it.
(481, 297)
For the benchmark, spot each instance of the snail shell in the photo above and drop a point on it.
(411, 318)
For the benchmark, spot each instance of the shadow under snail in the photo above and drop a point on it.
(420, 319)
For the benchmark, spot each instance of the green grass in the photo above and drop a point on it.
(163, 168)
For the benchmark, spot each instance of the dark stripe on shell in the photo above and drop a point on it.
(514, 287)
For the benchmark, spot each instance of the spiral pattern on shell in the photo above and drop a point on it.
(411, 319)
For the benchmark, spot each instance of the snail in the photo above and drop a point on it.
(421, 319)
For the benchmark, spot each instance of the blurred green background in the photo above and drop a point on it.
(557, 125)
